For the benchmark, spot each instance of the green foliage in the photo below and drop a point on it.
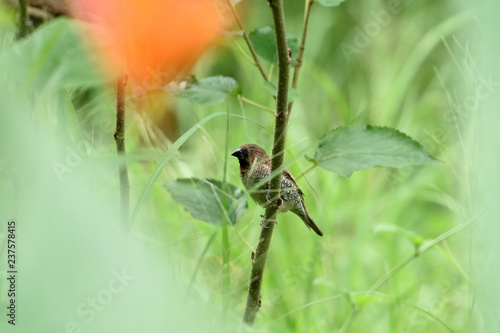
(203, 199)
(347, 149)
(394, 71)
(50, 59)
(166, 159)
(211, 90)
(265, 44)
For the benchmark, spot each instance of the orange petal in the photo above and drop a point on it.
(151, 41)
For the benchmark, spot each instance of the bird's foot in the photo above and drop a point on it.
(262, 222)
(277, 203)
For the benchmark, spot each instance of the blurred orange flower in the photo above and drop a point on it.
(151, 41)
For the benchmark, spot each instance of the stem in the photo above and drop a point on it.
(121, 84)
(298, 60)
(262, 107)
(312, 166)
(424, 248)
(350, 319)
(23, 9)
(277, 156)
(243, 52)
(247, 40)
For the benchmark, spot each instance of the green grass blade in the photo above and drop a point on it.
(226, 273)
(168, 156)
(198, 264)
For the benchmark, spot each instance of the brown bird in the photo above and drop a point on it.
(255, 165)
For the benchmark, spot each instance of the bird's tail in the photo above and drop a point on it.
(308, 221)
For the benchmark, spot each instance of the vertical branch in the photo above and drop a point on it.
(298, 60)
(23, 9)
(281, 121)
(121, 84)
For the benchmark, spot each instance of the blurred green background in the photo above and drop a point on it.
(417, 69)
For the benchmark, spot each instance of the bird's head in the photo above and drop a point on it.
(250, 154)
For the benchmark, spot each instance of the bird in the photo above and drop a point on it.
(255, 165)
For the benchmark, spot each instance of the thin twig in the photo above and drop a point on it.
(243, 51)
(247, 40)
(121, 84)
(298, 60)
(277, 156)
(257, 105)
(245, 242)
(312, 166)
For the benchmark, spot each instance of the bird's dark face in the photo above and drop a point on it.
(249, 154)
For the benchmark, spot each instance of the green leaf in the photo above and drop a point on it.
(264, 42)
(330, 3)
(347, 149)
(202, 198)
(50, 59)
(271, 88)
(210, 90)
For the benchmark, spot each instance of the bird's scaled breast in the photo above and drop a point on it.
(252, 177)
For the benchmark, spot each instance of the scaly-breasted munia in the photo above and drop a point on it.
(255, 165)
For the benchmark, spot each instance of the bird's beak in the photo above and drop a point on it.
(237, 153)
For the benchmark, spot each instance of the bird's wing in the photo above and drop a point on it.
(289, 176)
